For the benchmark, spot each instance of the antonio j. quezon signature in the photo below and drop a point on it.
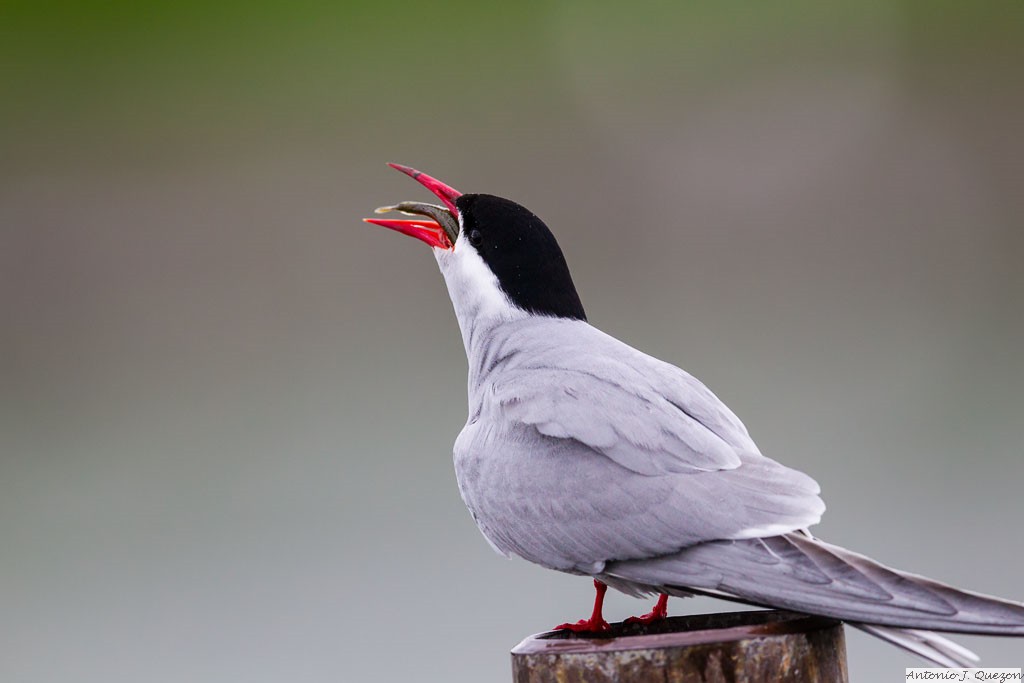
(963, 675)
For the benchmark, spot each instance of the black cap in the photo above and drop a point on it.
(523, 255)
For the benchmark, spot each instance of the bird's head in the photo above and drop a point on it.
(497, 258)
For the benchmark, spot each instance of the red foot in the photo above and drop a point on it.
(659, 612)
(596, 623)
(585, 626)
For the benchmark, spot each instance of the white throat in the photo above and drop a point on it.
(479, 301)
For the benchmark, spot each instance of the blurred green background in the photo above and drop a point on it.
(227, 406)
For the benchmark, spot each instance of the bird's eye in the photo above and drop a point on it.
(475, 238)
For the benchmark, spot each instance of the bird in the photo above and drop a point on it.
(587, 456)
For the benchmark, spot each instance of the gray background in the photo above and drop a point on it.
(227, 406)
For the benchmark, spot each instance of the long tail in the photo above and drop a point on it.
(931, 646)
(797, 572)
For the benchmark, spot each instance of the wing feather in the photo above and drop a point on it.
(628, 420)
(797, 572)
(581, 450)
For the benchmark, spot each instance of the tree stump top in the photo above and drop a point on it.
(738, 647)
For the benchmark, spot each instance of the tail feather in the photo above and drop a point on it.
(931, 646)
(797, 572)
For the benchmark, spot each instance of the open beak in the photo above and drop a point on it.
(440, 228)
(427, 231)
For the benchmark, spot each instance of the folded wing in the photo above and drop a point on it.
(587, 451)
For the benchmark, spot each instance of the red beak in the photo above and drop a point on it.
(446, 194)
(426, 230)
(437, 234)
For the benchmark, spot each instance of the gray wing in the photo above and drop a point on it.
(648, 416)
(797, 572)
(583, 450)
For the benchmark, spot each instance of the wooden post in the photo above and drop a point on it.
(733, 647)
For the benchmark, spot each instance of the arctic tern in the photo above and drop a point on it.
(585, 455)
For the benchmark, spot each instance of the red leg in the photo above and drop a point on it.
(659, 612)
(596, 622)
